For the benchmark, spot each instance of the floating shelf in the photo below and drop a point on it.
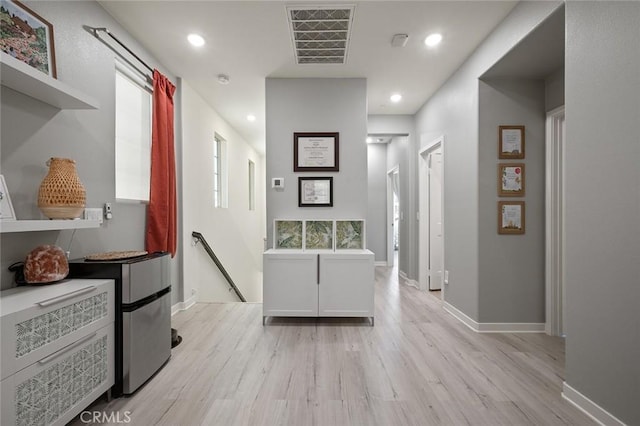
(25, 79)
(46, 225)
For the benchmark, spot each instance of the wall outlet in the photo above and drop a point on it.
(108, 213)
(446, 276)
(193, 291)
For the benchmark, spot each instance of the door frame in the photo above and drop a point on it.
(554, 224)
(390, 254)
(423, 212)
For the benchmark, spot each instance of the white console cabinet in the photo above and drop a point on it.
(318, 283)
(57, 351)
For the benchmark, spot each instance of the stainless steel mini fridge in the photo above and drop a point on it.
(143, 315)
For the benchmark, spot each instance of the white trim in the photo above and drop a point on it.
(590, 408)
(413, 283)
(183, 306)
(380, 263)
(493, 327)
(390, 250)
(554, 222)
(423, 212)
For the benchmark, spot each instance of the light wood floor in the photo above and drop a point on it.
(417, 366)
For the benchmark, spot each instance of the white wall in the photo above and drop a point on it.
(316, 105)
(602, 263)
(235, 233)
(511, 269)
(377, 200)
(453, 112)
(32, 132)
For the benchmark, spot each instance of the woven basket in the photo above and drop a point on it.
(61, 194)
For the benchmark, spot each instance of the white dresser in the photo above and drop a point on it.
(57, 350)
(318, 283)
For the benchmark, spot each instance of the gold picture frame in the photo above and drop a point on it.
(510, 142)
(511, 179)
(511, 215)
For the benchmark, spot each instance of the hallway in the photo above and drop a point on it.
(417, 366)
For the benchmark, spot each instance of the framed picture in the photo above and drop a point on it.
(6, 208)
(511, 180)
(316, 152)
(315, 192)
(510, 217)
(350, 235)
(27, 36)
(510, 142)
(318, 234)
(287, 234)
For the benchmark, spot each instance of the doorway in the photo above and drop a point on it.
(431, 221)
(554, 259)
(393, 216)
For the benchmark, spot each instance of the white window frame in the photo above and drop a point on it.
(252, 185)
(136, 177)
(220, 178)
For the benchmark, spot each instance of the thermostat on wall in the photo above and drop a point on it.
(277, 183)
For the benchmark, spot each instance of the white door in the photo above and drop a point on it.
(435, 219)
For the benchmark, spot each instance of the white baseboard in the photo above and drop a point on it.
(493, 327)
(183, 306)
(381, 263)
(590, 408)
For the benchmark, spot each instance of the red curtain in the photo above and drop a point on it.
(161, 232)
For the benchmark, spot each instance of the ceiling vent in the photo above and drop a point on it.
(320, 34)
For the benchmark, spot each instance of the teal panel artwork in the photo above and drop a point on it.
(319, 234)
(349, 234)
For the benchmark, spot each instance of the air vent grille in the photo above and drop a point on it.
(320, 34)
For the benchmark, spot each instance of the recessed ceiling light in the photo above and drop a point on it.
(251, 117)
(369, 139)
(196, 40)
(396, 97)
(433, 40)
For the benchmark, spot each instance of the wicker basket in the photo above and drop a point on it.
(61, 194)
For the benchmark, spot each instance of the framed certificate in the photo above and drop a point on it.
(316, 152)
(510, 142)
(511, 180)
(510, 217)
(315, 192)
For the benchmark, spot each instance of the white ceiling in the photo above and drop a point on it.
(249, 41)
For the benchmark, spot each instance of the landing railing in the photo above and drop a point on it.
(232, 286)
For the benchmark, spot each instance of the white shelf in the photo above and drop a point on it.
(25, 79)
(46, 225)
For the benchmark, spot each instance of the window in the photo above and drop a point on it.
(219, 172)
(252, 185)
(133, 135)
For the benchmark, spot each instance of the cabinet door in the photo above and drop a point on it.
(346, 285)
(290, 286)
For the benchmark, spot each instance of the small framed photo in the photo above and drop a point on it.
(6, 208)
(510, 142)
(315, 192)
(316, 152)
(511, 180)
(510, 217)
(27, 36)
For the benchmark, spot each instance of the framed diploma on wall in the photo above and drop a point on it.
(510, 217)
(315, 192)
(316, 152)
(510, 142)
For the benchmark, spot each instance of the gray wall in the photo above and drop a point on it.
(316, 105)
(32, 132)
(554, 90)
(453, 112)
(603, 204)
(377, 200)
(511, 267)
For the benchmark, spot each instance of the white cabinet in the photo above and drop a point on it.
(58, 350)
(325, 284)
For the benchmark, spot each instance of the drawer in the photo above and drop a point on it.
(52, 319)
(56, 388)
